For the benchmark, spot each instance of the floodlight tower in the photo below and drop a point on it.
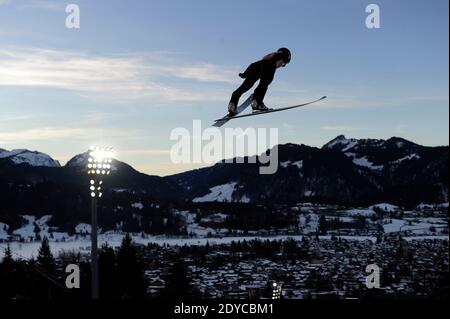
(276, 290)
(99, 166)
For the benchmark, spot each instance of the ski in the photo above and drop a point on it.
(272, 110)
(240, 108)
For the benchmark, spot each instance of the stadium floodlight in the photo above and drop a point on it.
(276, 290)
(99, 165)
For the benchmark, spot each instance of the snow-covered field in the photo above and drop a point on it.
(83, 228)
(424, 222)
(366, 212)
(33, 227)
(28, 250)
(222, 193)
(364, 162)
(385, 207)
(421, 226)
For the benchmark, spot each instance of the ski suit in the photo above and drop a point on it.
(263, 70)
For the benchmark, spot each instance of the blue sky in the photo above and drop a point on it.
(137, 69)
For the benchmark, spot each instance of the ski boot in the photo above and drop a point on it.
(232, 109)
(259, 107)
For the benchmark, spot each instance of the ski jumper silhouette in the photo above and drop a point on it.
(263, 70)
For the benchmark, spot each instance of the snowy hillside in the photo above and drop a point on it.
(341, 143)
(221, 193)
(37, 228)
(345, 170)
(33, 158)
(375, 154)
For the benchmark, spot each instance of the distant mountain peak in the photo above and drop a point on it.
(341, 143)
(32, 158)
(344, 144)
(80, 161)
(400, 142)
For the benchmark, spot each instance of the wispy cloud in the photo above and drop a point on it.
(35, 4)
(205, 73)
(146, 152)
(118, 76)
(52, 133)
(14, 118)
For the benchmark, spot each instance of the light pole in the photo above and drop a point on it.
(99, 165)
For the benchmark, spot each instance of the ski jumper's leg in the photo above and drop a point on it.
(267, 75)
(252, 75)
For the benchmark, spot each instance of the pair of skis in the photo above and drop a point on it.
(243, 106)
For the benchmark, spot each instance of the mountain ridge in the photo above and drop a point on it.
(343, 170)
(33, 158)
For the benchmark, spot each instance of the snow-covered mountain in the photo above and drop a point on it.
(376, 154)
(33, 158)
(343, 170)
(344, 144)
(351, 171)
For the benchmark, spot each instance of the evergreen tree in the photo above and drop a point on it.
(107, 271)
(7, 288)
(8, 260)
(130, 273)
(45, 269)
(45, 257)
(177, 284)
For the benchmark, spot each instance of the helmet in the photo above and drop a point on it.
(285, 54)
